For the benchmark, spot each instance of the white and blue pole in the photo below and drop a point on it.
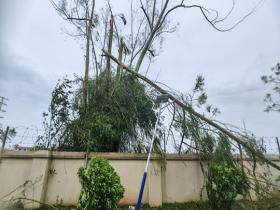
(147, 164)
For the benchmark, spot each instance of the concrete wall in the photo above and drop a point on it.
(51, 177)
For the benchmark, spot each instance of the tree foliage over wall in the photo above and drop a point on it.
(116, 119)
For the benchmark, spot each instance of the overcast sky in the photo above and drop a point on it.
(34, 54)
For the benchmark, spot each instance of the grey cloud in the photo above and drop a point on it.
(27, 91)
(242, 93)
(21, 80)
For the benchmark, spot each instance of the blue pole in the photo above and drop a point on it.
(147, 165)
(141, 191)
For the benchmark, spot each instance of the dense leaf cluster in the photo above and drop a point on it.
(116, 114)
(101, 187)
(225, 178)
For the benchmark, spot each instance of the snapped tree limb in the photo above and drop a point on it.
(189, 109)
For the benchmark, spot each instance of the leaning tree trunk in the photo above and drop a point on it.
(190, 110)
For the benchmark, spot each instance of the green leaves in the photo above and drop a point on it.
(272, 99)
(199, 84)
(116, 114)
(101, 187)
(225, 179)
(202, 99)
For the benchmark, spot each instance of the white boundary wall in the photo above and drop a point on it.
(51, 177)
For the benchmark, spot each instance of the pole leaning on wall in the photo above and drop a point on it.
(147, 165)
(160, 99)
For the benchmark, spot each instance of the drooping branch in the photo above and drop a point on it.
(147, 16)
(212, 22)
(188, 108)
(157, 25)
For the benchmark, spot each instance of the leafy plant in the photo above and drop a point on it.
(225, 179)
(101, 187)
(224, 183)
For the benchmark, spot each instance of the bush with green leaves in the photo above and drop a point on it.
(225, 178)
(101, 187)
(224, 183)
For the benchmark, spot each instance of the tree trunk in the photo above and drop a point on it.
(88, 40)
(119, 69)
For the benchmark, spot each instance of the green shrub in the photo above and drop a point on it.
(225, 178)
(101, 187)
(224, 183)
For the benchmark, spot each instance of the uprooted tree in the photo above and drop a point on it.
(112, 107)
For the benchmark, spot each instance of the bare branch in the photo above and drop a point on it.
(150, 38)
(73, 18)
(227, 15)
(212, 22)
(146, 15)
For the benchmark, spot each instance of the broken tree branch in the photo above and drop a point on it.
(189, 109)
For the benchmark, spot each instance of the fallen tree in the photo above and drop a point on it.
(189, 109)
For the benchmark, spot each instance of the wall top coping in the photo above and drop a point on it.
(109, 155)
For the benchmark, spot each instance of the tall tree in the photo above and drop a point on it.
(80, 13)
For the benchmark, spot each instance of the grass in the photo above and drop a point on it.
(272, 204)
(180, 206)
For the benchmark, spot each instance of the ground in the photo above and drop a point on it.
(273, 204)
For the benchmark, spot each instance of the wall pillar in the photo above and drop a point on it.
(155, 185)
(37, 184)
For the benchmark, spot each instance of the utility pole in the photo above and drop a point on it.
(278, 145)
(2, 104)
(4, 142)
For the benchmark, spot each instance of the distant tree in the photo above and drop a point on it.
(273, 99)
(7, 133)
